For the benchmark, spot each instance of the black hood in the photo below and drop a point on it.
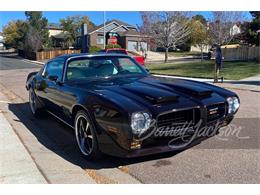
(150, 89)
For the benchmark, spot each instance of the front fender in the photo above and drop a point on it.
(111, 120)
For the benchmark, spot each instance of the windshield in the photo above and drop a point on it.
(102, 66)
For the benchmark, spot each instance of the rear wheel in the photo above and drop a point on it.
(85, 134)
(34, 104)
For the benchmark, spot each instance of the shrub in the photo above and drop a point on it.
(94, 49)
(111, 46)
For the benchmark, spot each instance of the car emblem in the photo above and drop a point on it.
(213, 111)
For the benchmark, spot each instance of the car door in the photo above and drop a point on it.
(60, 97)
(50, 91)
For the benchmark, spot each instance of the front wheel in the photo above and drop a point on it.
(85, 134)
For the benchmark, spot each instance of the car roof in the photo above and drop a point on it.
(67, 56)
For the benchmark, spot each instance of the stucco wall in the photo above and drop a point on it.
(54, 32)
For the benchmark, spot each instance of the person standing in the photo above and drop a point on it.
(218, 62)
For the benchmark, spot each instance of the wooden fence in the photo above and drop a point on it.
(241, 53)
(43, 55)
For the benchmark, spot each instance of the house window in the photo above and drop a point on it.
(100, 40)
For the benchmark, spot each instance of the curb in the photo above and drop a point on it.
(33, 62)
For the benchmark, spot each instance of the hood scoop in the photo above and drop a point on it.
(190, 89)
(153, 95)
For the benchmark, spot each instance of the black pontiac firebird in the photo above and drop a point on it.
(112, 103)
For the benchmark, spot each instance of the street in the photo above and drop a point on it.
(231, 157)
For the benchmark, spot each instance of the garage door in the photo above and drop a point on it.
(132, 45)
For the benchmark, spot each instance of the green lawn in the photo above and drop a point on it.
(234, 70)
(182, 53)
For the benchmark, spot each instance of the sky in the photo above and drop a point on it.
(132, 18)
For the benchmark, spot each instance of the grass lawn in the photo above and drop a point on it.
(233, 70)
(182, 53)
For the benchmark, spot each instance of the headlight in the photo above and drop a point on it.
(140, 122)
(233, 104)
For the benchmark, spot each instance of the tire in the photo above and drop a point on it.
(85, 134)
(34, 104)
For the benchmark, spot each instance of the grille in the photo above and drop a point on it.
(215, 112)
(177, 118)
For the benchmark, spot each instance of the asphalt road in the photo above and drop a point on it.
(231, 157)
(14, 62)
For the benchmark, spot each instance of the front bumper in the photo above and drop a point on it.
(153, 146)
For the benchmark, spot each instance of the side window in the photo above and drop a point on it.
(127, 64)
(54, 68)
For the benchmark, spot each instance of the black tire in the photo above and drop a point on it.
(85, 134)
(35, 107)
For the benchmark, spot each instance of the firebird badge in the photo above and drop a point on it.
(213, 111)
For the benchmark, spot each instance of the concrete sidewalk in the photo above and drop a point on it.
(17, 166)
(253, 78)
(24, 159)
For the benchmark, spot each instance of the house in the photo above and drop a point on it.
(58, 36)
(126, 35)
(54, 29)
(2, 47)
(235, 30)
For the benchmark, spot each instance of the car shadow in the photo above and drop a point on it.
(59, 138)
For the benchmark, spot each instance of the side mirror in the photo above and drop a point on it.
(53, 78)
(147, 69)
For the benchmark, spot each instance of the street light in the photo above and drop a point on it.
(104, 31)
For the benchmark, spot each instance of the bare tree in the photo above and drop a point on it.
(168, 29)
(221, 26)
(33, 40)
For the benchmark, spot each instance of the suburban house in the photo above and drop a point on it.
(54, 29)
(1, 41)
(58, 36)
(126, 35)
(236, 29)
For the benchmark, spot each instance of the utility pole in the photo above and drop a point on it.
(104, 31)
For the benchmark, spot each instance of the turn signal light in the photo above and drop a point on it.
(135, 144)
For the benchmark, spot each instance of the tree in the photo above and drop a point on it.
(30, 35)
(14, 33)
(222, 29)
(254, 26)
(168, 29)
(199, 34)
(200, 18)
(72, 24)
(221, 26)
(33, 40)
(37, 36)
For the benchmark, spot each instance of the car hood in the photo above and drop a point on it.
(154, 90)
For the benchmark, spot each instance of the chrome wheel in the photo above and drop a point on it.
(32, 101)
(84, 135)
